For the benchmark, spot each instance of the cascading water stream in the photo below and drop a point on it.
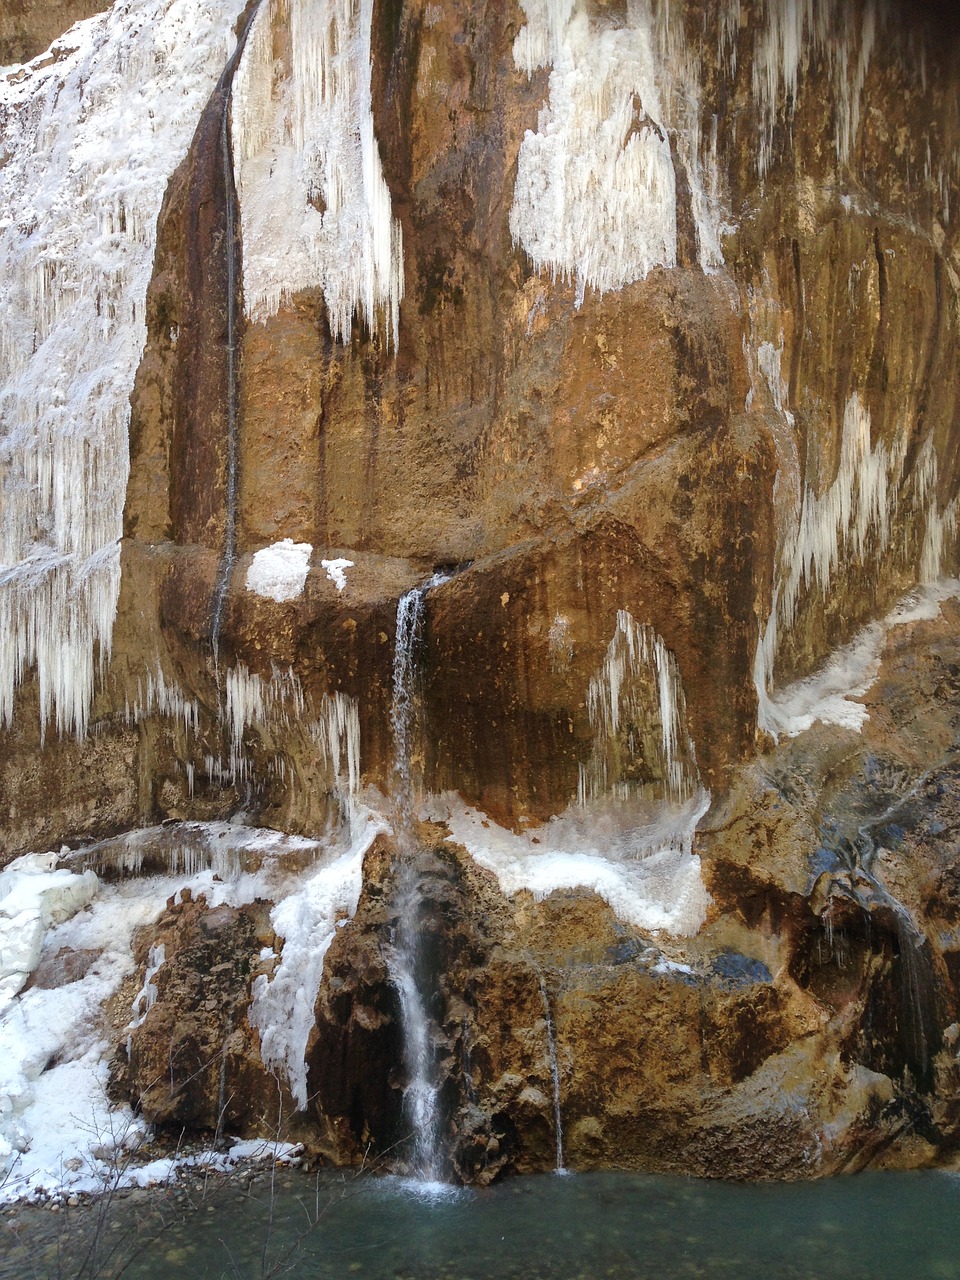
(406, 958)
(554, 1074)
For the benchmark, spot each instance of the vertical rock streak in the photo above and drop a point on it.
(315, 208)
(90, 136)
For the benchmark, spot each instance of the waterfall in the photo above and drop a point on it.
(554, 1073)
(420, 1093)
(406, 959)
(411, 611)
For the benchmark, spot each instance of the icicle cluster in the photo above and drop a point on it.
(860, 520)
(315, 209)
(637, 711)
(89, 134)
(595, 199)
(795, 31)
(278, 702)
(156, 695)
(595, 195)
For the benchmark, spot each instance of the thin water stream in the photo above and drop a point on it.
(406, 956)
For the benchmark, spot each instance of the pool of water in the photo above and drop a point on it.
(597, 1226)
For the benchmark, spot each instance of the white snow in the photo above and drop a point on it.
(34, 896)
(315, 208)
(58, 1130)
(89, 134)
(829, 695)
(278, 572)
(646, 872)
(336, 571)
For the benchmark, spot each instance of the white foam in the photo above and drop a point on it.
(279, 572)
(315, 208)
(90, 134)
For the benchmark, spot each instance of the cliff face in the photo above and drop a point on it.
(637, 328)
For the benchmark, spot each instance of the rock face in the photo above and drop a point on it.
(669, 406)
(27, 27)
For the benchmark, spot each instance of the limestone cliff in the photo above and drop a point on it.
(633, 330)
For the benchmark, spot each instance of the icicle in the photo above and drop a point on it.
(637, 710)
(314, 205)
(794, 31)
(89, 138)
(595, 194)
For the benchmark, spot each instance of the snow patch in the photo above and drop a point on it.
(279, 572)
(33, 897)
(58, 1130)
(336, 571)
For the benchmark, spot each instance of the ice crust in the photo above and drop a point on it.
(90, 133)
(830, 694)
(645, 870)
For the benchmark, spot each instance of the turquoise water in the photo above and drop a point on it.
(600, 1226)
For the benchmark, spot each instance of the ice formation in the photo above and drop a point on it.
(33, 896)
(830, 694)
(283, 1006)
(90, 134)
(647, 873)
(279, 572)
(637, 711)
(315, 208)
(595, 193)
(58, 1130)
(858, 521)
(158, 695)
(795, 31)
(278, 701)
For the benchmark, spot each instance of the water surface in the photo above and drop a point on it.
(598, 1226)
